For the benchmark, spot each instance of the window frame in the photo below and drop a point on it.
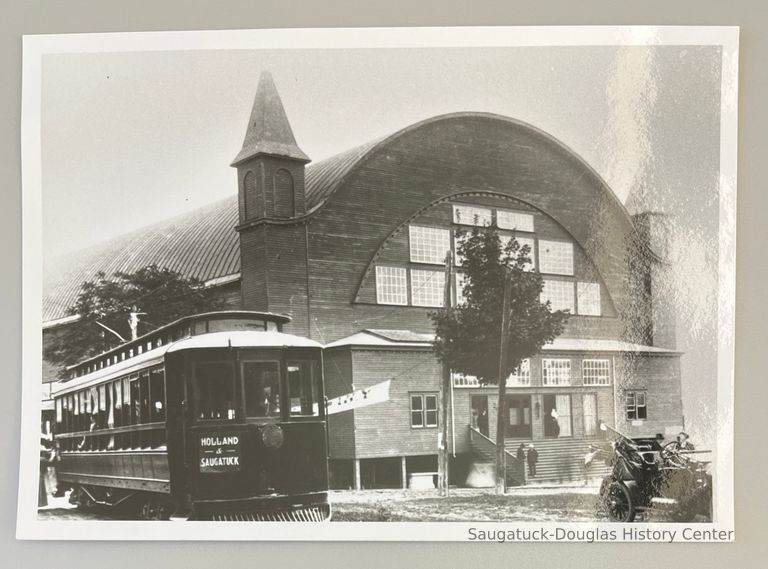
(428, 260)
(378, 282)
(457, 219)
(544, 297)
(520, 376)
(579, 295)
(513, 212)
(267, 360)
(591, 382)
(635, 406)
(414, 290)
(315, 382)
(422, 396)
(196, 395)
(545, 362)
(543, 265)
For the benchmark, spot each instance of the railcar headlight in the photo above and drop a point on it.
(272, 436)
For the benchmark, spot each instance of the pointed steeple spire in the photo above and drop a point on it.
(269, 131)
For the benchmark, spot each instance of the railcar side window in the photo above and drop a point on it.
(157, 392)
(135, 396)
(261, 385)
(214, 391)
(303, 392)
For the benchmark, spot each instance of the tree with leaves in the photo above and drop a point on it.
(104, 308)
(501, 321)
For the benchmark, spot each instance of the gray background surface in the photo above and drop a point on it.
(34, 17)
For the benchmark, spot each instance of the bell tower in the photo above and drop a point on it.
(270, 165)
(271, 202)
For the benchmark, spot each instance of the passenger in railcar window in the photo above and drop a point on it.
(261, 382)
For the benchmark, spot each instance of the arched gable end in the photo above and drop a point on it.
(477, 152)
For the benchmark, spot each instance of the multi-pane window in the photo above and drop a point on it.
(636, 408)
(521, 376)
(588, 298)
(596, 372)
(391, 285)
(556, 371)
(556, 257)
(429, 244)
(427, 287)
(462, 380)
(461, 280)
(469, 215)
(522, 241)
(517, 220)
(559, 294)
(423, 410)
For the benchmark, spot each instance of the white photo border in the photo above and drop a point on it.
(35, 47)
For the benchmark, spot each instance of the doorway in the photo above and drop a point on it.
(557, 416)
(479, 413)
(518, 416)
(589, 403)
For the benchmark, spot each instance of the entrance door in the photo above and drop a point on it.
(589, 403)
(519, 416)
(480, 413)
(557, 416)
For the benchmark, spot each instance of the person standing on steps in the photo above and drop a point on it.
(482, 422)
(532, 458)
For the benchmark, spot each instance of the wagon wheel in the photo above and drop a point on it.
(618, 503)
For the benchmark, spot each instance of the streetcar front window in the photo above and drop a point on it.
(261, 385)
(303, 391)
(214, 391)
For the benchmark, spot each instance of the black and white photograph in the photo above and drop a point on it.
(436, 283)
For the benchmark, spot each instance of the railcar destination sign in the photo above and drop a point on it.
(220, 453)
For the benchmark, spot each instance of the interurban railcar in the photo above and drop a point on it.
(215, 416)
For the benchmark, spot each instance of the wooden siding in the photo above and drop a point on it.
(660, 377)
(338, 381)
(385, 429)
(455, 156)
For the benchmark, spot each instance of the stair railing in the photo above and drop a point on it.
(484, 446)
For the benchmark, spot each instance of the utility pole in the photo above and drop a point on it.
(501, 455)
(445, 392)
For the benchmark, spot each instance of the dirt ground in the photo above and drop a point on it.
(463, 504)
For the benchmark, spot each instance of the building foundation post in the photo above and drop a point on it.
(403, 472)
(356, 466)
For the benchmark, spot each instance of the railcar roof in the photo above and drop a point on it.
(243, 339)
(234, 339)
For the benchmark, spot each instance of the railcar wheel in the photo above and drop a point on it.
(618, 503)
(82, 499)
(154, 509)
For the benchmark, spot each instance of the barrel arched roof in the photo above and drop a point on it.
(204, 244)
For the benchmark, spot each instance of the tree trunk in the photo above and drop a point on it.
(501, 463)
(501, 411)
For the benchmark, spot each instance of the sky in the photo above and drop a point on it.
(129, 139)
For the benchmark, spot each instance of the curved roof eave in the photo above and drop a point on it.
(370, 149)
